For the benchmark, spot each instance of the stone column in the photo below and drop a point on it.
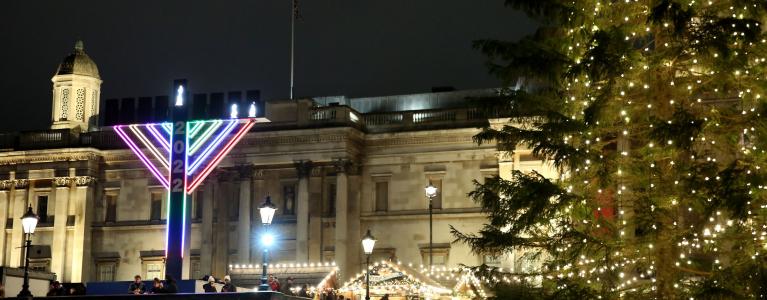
(342, 211)
(243, 221)
(81, 244)
(60, 197)
(259, 194)
(222, 197)
(20, 195)
(206, 239)
(304, 168)
(6, 196)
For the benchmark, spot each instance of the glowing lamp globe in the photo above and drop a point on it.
(267, 210)
(29, 221)
(267, 239)
(431, 191)
(368, 242)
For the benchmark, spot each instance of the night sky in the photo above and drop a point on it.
(343, 47)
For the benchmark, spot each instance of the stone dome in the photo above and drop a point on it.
(78, 63)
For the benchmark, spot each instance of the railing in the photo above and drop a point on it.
(328, 116)
(59, 138)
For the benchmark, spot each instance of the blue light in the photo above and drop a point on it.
(267, 239)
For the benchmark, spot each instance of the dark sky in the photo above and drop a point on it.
(343, 47)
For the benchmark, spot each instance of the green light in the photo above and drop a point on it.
(204, 137)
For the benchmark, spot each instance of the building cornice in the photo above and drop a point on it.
(49, 155)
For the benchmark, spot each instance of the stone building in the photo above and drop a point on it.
(334, 166)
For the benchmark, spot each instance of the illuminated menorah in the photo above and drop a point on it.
(180, 154)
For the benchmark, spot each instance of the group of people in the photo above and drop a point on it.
(228, 287)
(288, 288)
(168, 286)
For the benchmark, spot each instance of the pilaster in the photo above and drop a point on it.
(342, 211)
(244, 219)
(303, 167)
(20, 195)
(81, 250)
(60, 197)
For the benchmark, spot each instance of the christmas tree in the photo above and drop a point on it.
(653, 114)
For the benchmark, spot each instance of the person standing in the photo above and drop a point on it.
(170, 286)
(137, 286)
(275, 285)
(157, 286)
(208, 287)
(228, 285)
(287, 289)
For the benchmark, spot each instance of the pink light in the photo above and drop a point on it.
(140, 154)
(225, 150)
(152, 148)
(158, 136)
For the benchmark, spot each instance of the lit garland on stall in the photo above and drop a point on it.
(406, 283)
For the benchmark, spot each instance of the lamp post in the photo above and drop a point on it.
(431, 192)
(28, 222)
(266, 210)
(368, 242)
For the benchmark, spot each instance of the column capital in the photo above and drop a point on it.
(342, 165)
(85, 180)
(246, 172)
(7, 184)
(62, 181)
(21, 183)
(304, 167)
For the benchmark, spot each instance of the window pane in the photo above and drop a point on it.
(42, 208)
(198, 205)
(289, 199)
(111, 214)
(106, 272)
(437, 201)
(382, 196)
(330, 209)
(154, 270)
(155, 209)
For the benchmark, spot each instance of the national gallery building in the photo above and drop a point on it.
(334, 167)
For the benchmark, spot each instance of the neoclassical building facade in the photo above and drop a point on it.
(334, 166)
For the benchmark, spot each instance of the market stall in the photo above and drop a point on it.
(396, 281)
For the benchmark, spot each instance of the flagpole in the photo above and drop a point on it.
(292, 42)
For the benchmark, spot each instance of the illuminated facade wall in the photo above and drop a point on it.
(332, 171)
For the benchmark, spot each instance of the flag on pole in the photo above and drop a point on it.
(296, 13)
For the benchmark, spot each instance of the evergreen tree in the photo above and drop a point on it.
(653, 113)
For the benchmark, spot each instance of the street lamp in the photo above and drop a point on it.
(28, 223)
(431, 192)
(368, 242)
(266, 210)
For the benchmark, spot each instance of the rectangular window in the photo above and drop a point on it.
(438, 254)
(195, 265)
(111, 215)
(437, 201)
(155, 208)
(42, 208)
(154, 270)
(492, 261)
(289, 199)
(106, 271)
(330, 209)
(198, 205)
(382, 196)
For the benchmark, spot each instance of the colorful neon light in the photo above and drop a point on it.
(152, 149)
(213, 141)
(163, 180)
(217, 141)
(225, 150)
(205, 135)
